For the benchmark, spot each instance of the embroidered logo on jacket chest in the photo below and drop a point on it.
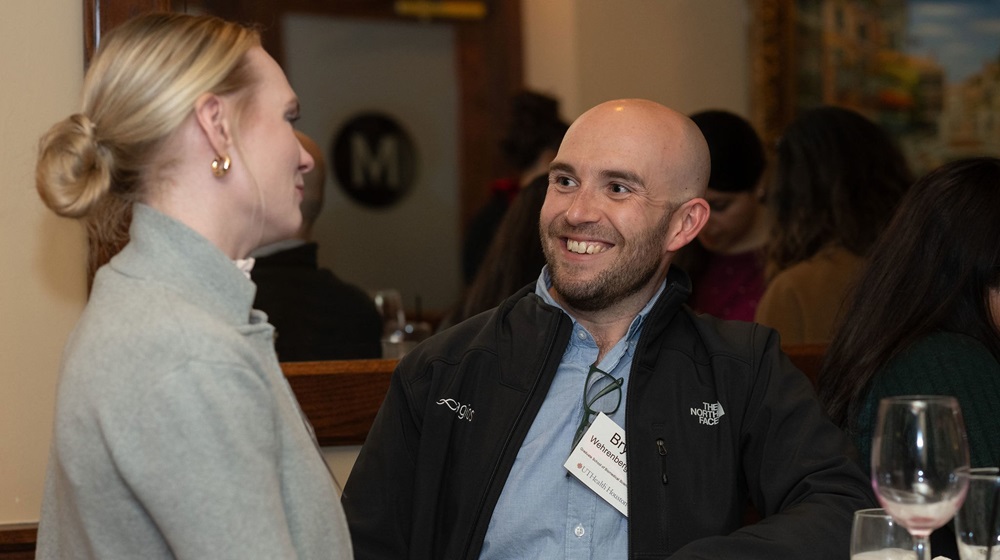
(709, 413)
(463, 411)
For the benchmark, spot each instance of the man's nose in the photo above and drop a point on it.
(585, 207)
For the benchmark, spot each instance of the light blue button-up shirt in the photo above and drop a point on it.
(543, 513)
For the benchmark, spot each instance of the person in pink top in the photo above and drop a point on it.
(726, 262)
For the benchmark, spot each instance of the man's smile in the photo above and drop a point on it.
(586, 247)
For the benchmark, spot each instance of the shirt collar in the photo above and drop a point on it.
(245, 265)
(544, 283)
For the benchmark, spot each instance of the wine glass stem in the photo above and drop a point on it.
(922, 545)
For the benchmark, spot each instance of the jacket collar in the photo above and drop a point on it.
(674, 295)
(672, 300)
(165, 251)
(544, 328)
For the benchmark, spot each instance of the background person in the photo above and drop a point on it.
(176, 434)
(316, 315)
(837, 182)
(925, 315)
(925, 318)
(465, 458)
(530, 144)
(513, 259)
(726, 260)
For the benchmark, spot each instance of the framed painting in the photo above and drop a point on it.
(926, 70)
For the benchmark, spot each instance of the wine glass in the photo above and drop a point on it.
(920, 463)
(875, 535)
(389, 304)
(977, 523)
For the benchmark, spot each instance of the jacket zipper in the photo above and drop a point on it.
(506, 443)
(661, 448)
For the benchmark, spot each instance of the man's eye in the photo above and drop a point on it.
(619, 188)
(563, 181)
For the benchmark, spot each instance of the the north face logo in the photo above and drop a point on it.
(709, 414)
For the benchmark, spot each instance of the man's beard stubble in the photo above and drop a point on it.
(630, 272)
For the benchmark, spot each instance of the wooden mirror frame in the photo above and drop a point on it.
(488, 62)
(772, 67)
(340, 397)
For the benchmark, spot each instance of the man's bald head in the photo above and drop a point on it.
(668, 141)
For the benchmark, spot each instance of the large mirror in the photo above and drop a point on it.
(443, 70)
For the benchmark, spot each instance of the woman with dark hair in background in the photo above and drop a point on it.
(513, 260)
(837, 182)
(925, 318)
(534, 135)
(726, 261)
(925, 315)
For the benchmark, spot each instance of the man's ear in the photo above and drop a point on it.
(212, 113)
(688, 220)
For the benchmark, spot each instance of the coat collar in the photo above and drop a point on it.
(526, 321)
(165, 251)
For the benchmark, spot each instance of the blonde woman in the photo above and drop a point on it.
(176, 435)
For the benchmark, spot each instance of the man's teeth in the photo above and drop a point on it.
(582, 247)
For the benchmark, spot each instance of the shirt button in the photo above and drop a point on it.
(581, 335)
(579, 531)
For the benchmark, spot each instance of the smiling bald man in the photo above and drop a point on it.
(593, 414)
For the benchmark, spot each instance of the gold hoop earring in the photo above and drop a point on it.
(220, 168)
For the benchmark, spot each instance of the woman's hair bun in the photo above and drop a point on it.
(74, 168)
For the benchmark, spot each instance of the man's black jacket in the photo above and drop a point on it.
(459, 406)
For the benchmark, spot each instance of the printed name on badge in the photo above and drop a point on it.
(599, 461)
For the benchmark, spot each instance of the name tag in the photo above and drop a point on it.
(599, 462)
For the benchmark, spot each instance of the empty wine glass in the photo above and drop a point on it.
(920, 463)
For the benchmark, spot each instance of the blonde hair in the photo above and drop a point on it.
(142, 83)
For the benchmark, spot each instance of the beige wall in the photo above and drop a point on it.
(688, 54)
(42, 282)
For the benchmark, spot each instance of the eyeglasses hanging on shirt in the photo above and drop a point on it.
(594, 392)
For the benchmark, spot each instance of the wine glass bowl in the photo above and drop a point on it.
(920, 463)
(875, 535)
(389, 304)
(977, 523)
